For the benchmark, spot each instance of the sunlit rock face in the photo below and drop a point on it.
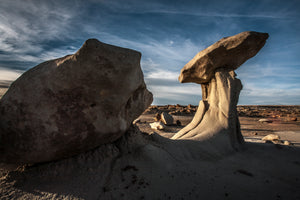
(216, 120)
(72, 104)
(229, 53)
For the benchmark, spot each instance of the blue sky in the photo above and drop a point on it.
(168, 33)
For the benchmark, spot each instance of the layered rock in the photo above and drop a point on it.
(216, 120)
(72, 104)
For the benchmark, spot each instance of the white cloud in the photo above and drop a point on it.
(162, 74)
(180, 90)
(184, 93)
(26, 25)
(9, 75)
(270, 94)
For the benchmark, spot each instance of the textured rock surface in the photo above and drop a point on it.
(72, 104)
(229, 52)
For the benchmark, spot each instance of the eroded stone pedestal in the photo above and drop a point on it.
(216, 118)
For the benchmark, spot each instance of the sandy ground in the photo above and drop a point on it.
(252, 129)
(161, 170)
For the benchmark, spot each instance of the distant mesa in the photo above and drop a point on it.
(72, 104)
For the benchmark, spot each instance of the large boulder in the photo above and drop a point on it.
(229, 52)
(72, 104)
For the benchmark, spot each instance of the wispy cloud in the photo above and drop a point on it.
(9, 75)
(188, 93)
(179, 50)
(213, 8)
(260, 71)
(269, 96)
(215, 14)
(26, 25)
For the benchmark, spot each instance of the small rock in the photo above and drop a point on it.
(287, 143)
(293, 119)
(188, 111)
(136, 121)
(271, 137)
(157, 117)
(178, 123)
(178, 106)
(166, 118)
(171, 107)
(265, 121)
(157, 125)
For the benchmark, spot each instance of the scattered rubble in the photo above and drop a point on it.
(271, 137)
(157, 117)
(166, 118)
(157, 125)
(265, 121)
(274, 112)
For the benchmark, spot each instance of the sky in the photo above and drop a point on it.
(168, 33)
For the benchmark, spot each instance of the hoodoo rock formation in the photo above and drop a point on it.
(72, 104)
(216, 120)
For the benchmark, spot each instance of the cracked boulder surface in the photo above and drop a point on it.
(216, 120)
(72, 104)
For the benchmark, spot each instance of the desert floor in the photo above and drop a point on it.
(284, 121)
